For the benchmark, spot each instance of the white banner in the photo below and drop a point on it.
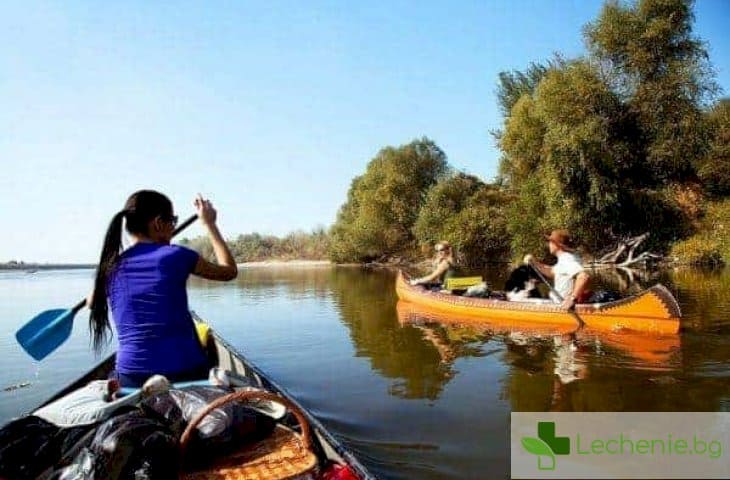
(620, 445)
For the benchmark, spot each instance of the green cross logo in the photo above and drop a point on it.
(546, 445)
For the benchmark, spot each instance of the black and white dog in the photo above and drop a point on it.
(522, 284)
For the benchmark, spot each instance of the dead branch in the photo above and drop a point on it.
(626, 249)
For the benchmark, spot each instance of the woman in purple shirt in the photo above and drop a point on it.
(145, 287)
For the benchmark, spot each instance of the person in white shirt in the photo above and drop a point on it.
(568, 275)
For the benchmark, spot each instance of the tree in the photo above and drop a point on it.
(662, 72)
(565, 148)
(382, 204)
(714, 170)
(467, 213)
(609, 145)
(514, 84)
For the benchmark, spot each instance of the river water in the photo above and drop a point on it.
(413, 396)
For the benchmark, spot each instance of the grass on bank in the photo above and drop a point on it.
(710, 245)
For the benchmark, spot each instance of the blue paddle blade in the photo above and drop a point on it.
(46, 332)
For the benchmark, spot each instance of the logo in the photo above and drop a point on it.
(546, 445)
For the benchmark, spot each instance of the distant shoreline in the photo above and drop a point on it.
(285, 264)
(31, 267)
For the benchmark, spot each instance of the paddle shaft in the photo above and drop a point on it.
(185, 224)
(557, 295)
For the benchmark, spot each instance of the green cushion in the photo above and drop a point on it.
(461, 283)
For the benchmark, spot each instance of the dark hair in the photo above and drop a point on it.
(141, 207)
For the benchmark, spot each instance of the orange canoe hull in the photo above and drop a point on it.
(653, 310)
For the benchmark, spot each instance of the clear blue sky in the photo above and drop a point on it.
(270, 107)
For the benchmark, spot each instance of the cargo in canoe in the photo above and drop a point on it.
(330, 455)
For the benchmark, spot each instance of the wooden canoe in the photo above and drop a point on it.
(653, 310)
(326, 446)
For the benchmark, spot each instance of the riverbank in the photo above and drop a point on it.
(32, 267)
(286, 264)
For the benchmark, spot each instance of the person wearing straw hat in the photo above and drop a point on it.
(568, 275)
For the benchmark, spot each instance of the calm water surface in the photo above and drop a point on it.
(412, 395)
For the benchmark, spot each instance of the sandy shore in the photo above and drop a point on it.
(286, 264)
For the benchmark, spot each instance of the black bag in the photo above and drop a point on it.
(603, 296)
(134, 445)
(30, 445)
(220, 430)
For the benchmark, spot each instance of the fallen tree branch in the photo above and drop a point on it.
(628, 247)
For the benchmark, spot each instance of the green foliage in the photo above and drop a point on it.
(583, 142)
(470, 215)
(698, 251)
(714, 170)
(606, 145)
(515, 84)
(565, 148)
(201, 245)
(522, 141)
(656, 211)
(662, 72)
(529, 216)
(711, 243)
(383, 204)
(255, 247)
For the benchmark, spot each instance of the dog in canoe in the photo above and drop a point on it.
(522, 284)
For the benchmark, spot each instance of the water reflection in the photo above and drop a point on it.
(366, 302)
(590, 370)
(549, 367)
(263, 284)
(416, 394)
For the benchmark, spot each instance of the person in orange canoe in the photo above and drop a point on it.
(444, 266)
(568, 275)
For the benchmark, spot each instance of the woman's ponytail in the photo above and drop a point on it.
(99, 317)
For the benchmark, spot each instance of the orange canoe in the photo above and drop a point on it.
(653, 310)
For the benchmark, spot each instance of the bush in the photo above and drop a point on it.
(711, 244)
(469, 214)
(716, 224)
(383, 204)
(698, 251)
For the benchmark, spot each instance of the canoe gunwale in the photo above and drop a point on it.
(316, 425)
(324, 439)
(664, 317)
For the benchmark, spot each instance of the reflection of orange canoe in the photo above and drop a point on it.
(411, 313)
(653, 310)
(652, 349)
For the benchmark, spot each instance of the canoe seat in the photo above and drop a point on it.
(285, 454)
(461, 283)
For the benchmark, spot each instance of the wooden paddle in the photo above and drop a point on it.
(45, 332)
(572, 311)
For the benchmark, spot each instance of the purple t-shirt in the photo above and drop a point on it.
(149, 305)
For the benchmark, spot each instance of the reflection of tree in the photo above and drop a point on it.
(366, 302)
(705, 299)
(625, 372)
(453, 342)
(260, 282)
